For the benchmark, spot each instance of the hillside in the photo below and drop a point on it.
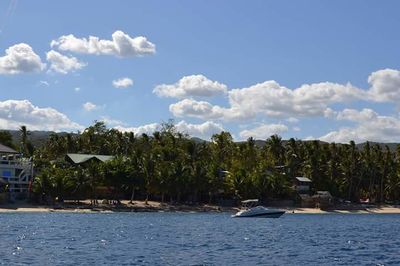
(38, 139)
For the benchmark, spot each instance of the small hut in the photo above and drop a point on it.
(86, 161)
(302, 184)
(323, 199)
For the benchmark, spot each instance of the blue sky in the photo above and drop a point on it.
(324, 69)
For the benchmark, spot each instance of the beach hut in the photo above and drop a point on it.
(89, 162)
(323, 199)
(302, 185)
(306, 201)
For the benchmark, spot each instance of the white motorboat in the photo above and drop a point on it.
(250, 209)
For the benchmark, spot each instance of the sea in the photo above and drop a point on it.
(198, 239)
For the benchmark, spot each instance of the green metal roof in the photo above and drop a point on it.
(81, 158)
(303, 179)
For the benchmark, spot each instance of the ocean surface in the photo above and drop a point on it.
(198, 239)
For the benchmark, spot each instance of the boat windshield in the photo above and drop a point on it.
(246, 204)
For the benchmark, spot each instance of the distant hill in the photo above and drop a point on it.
(392, 146)
(198, 140)
(39, 138)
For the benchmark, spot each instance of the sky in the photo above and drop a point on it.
(311, 69)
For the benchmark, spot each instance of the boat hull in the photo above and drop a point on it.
(260, 215)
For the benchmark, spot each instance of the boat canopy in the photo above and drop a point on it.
(250, 201)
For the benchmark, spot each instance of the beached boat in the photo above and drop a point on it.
(250, 209)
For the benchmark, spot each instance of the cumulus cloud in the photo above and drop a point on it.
(204, 130)
(14, 113)
(191, 86)
(63, 64)
(122, 83)
(268, 98)
(198, 109)
(20, 58)
(112, 122)
(272, 99)
(357, 116)
(369, 126)
(144, 129)
(88, 106)
(385, 85)
(264, 131)
(121, 45)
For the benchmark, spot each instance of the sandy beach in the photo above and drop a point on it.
(153, 206)
(383, 209)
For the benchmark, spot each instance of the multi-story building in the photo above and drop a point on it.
(16, 172)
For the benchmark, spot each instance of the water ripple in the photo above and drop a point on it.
(197, 239)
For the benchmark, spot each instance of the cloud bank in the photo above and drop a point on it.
(14, 113)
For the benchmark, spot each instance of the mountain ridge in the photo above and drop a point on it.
(39, 138)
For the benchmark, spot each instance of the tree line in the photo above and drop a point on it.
(170, 166)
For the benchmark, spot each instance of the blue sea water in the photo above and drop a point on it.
(198, 239)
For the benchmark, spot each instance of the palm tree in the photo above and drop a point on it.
(26, 147)
(275, 149)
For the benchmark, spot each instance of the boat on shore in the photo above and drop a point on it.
(250, 208)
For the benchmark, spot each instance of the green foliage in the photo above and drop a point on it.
(6, 139)
(168, 165)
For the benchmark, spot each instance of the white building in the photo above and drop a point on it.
(16, 172)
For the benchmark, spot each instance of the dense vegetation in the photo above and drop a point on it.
(168, 165)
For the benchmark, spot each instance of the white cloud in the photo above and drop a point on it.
(20, 58)
(122, 83)
(190, 86)
(263, 131)
(369, 126)
(364, 115)
(267, 99)
(145, 129)
(63, 64)
(44, 83)
(112, 122)
(77, 89)
(14, 113)
(121, 45)
(198, 109)
(385, 85)
(272, 99)
(292, 120)
(88, 106)
(204, 130)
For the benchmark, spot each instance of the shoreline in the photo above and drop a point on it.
(153, 206)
